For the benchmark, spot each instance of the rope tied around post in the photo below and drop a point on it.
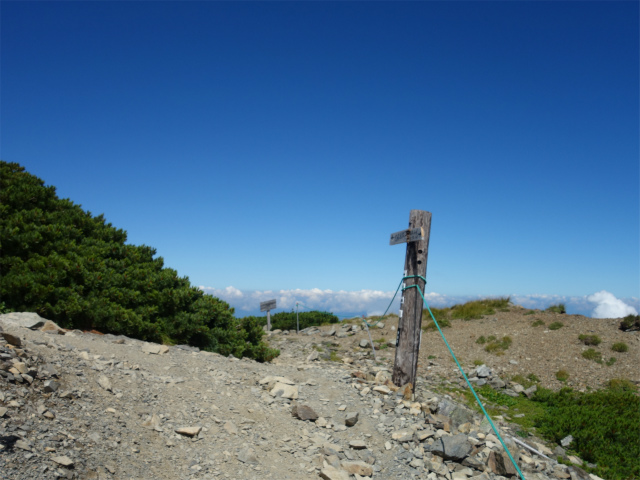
(464, 375)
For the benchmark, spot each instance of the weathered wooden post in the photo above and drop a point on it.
(410, 315)
(268, 306)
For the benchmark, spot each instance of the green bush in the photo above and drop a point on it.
(498, 346)
(537, 323)
(559, 308)
(443, 322)
(611, 361)
(604, 425)
(76, 269)
(526, 382)
(630, 323)
(479, 308)
(594, 340)
(556, 326)
(591, 354)
(287, 320)
(621, 384)
(481, 340)
(620, 347)
(562, 375)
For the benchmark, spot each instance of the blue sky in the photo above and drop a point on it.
(270, 149)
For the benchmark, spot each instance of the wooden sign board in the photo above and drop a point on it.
(268, 305)
(406, 236)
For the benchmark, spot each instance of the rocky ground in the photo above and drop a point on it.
(89, 406)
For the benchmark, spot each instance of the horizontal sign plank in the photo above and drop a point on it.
(406, 236)
(268, 305)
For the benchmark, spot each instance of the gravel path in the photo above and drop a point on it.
(82, 405)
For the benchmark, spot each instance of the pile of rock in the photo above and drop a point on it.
(483, 375)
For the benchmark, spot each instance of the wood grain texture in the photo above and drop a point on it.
(410, 322)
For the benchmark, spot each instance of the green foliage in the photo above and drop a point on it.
(594, 340)
(468, 311)
(630, 323)
(611, 361)
(495, 396)
(532, 377)
(287, 320)
(481, 340)
(559, 308)
(604, 425)
(443, 322)
(479, 308)
(76, 269)
(537, 323)
(527, 381)
(620, 347)
(498, 346)
(562, 375)
(4, 308)
(334, 357)
(621, 384)
(477, 363)
(530, 312)
(556, 326)
(591, 354)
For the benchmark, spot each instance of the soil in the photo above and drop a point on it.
(534, 350)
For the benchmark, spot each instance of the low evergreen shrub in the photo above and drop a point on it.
(559, 308)
(287, 320)
(537, 323)
(594, 340)
(562, 375)
(630, 323)
(604, 425)
(556, 326)
(443, 322)
(76, 269)
(498, 347)
(620, 347)
(591, 354)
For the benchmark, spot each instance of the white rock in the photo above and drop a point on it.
(105, 383)
(382, 389)
(188, 431)
(63, 460)
(285, 391)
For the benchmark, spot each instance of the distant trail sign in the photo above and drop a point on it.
(406, 236)
(268, 306)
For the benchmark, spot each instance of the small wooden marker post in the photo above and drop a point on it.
(268, 306)
(410, 315)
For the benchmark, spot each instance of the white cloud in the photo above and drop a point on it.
(375, 302)
(341, 302)
(608, 306)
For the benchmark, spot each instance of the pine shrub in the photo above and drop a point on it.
(76, 269)
(604, 425)
(594, 340)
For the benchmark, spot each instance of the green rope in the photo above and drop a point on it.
(385, 312)
(462, 371)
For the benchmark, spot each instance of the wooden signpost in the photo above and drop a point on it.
(410, 315)
(268, 306)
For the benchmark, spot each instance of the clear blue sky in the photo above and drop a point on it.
(276, 145)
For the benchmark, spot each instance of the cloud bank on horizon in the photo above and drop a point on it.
(602, 304)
